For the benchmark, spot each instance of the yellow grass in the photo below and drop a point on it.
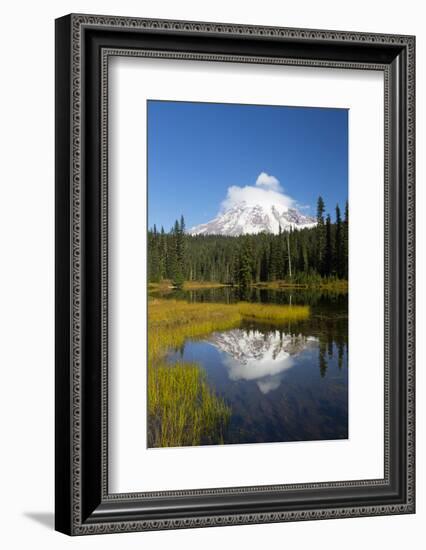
(338, 285)
(167, 285)
(171, 322)
(197, 285)
(334, 285)
(183, 410)
(272, 312)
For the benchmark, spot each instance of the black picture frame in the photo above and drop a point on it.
(83, 45)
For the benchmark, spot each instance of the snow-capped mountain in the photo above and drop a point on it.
(243, 219)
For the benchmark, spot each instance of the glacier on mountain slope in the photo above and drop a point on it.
(243, 219)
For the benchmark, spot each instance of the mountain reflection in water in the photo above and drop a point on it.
(286, 382)
(261, 357)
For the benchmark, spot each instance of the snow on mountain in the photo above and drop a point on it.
(243, 219)
(263, 358)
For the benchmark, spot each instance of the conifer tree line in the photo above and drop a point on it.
(299, 256)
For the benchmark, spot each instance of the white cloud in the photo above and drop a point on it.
(268, 182)
(266, 192)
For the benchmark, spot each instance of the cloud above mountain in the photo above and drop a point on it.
(266, 181)
(267, 191)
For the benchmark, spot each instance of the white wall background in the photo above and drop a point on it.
(27, 263)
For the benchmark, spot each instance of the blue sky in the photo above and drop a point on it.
(198, 151)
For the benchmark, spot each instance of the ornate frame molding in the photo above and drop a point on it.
(72, 45)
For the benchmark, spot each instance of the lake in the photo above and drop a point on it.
(286, 382)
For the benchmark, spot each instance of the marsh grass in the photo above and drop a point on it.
(197, 285)
(182, 408)
(166, 285)
(272, 312)
(331, 284)
(171, 322)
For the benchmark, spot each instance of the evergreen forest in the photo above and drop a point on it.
(299, 256)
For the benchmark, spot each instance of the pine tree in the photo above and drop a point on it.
(162, 249)
(245, 259)
(320, 234)
(346, 241)
(180, 245)
(264, 266)
(154, 275)
(289, 253)
(339, 252)
(245, 266)
(177, 253)
(172, 262)
(274, 259)
(328, 252)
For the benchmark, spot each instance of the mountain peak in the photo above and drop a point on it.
(243, 219)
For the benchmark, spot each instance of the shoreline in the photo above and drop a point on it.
(340, 286)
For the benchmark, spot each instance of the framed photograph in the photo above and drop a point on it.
(234, 274)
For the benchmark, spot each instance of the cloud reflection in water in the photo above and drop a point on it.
(258, 356)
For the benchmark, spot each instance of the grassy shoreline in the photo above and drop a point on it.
(171, 322)
(338, 285)
(182, 408)
(167, 285)
(333, 285)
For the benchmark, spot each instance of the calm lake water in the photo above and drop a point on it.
(283, 383)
